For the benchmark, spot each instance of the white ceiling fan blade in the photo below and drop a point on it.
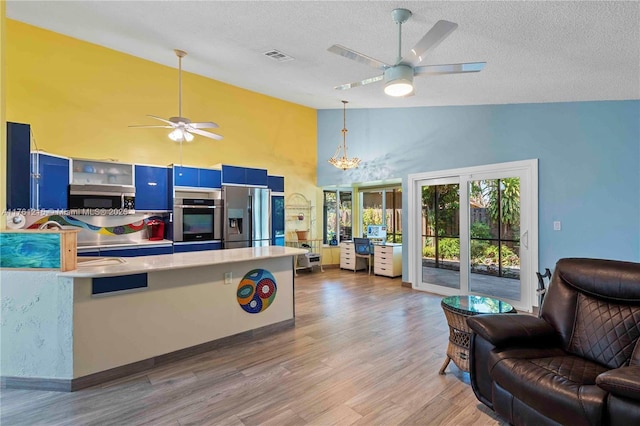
(358, 57)
(162, 119)
(359, 83)
(449, 68)
(204, 125)
(150, 127)
(431, 39)
(205, 134)
(183, 124)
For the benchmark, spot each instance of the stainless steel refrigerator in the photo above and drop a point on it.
(247, 217)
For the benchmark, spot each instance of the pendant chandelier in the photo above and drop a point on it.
(344, 162)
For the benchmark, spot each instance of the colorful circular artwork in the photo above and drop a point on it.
(256, 291)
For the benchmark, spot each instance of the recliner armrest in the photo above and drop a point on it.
(509, 329)
(623, 381)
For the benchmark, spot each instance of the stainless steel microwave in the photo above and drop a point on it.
(107, 199)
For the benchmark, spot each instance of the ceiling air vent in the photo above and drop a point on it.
(276, 55)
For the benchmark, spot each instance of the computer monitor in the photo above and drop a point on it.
(377, 232)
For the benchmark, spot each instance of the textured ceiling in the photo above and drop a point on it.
(539, 51)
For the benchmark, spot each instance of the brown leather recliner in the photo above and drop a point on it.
(578, 364)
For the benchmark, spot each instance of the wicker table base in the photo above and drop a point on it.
(456, 310)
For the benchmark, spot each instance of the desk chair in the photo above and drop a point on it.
(364, 250)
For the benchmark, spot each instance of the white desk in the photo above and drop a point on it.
(387, 259)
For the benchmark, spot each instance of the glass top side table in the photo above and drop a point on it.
(456, 310)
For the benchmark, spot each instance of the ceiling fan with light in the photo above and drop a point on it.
(183, 128)
(398, 78)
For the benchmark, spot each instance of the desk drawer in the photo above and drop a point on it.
(387, 271)
(382, 270)
(347, 264)
(383, 250)
(384, 260)
(388, 260)
(346, 256)
(349, 253)
(353, 264)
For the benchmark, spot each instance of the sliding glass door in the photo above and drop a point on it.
(476, 232)
(440, 233)
(494, 237)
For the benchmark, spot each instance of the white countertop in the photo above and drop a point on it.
(132, 244)
(141, 264)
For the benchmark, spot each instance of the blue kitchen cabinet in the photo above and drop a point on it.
(209, 178)
(89, 253)
(195, 177)
(17, 163)
(150, 251)
(120, 283)
(151, 188)
(170, 186)
(276, 183)
(277, 220)
(188, 247)
(256, 177)
(49, 186)
(235, 175)
(185, 176)
(136, 251)
(129, 251)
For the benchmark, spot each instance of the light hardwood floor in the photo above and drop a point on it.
(364, 351)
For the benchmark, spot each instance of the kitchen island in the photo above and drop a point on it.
(112, 317)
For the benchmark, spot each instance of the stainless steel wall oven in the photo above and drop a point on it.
(197, 219)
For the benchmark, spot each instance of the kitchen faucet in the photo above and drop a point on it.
(50, 224)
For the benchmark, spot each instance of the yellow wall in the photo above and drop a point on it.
(330, 255)
(3, 133)
(80, 98)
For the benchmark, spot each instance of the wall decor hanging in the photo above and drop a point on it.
(39, 249)
(256, 291)
(123, 229)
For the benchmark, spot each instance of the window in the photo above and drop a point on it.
(394, 215)
(346, 211)
(329, 216)
(383, 207)
(337, 216)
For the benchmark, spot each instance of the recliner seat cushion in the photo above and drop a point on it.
(560, 386)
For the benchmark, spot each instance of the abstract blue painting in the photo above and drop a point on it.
(27, 250)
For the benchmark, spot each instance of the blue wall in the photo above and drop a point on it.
(589, 162)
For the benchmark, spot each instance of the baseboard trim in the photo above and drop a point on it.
(406, 284)
(34, 383)
(331, 266)
(70, 385)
